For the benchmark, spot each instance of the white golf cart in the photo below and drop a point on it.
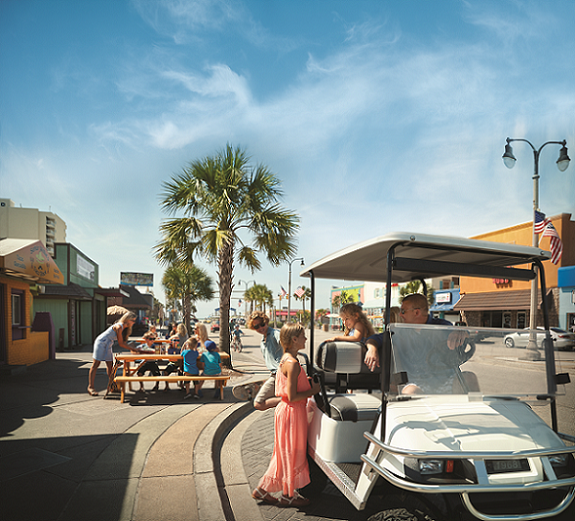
(442, 433)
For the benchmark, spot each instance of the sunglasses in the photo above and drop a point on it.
(258, 326)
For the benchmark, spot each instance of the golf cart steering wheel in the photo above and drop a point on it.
(453, 357)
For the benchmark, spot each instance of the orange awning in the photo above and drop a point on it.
(28, 259)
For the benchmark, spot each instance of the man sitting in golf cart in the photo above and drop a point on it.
(425, 353)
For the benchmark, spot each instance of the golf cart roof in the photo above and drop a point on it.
(422, 256)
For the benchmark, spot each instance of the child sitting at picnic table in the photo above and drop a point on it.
(191, 364)
(148, 365)
(212, 362)
(173, 366)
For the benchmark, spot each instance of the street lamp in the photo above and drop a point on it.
(289, 285)
(246, 284)
(562, 164)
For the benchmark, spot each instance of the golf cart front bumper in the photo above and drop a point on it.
(380, 451)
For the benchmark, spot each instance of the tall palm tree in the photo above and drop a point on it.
(223, 200)
(189, 285)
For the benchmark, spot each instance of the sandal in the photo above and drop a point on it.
(296, 501)
(91, 392)
(266, 497)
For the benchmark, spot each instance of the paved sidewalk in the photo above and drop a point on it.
(65, 455)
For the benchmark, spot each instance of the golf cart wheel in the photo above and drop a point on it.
(509, 343)
(404, 506)
(318, 480)
(400, 514)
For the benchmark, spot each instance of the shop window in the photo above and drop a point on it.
(507, 320)
(17, 315)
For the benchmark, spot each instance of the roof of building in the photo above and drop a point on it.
(135, 299)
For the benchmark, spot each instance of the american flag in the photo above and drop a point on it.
(554, 242)
(299, 292)
(283, 292)
(540, 222)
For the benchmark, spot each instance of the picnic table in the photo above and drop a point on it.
(129, 377)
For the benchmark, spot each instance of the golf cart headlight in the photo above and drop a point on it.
(430, 466)
(558, 460)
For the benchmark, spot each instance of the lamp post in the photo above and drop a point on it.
(246, 284)
(289, 285)
(562, 164)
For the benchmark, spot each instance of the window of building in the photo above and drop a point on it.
(521, 319)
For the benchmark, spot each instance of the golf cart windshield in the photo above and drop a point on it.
(432, 359)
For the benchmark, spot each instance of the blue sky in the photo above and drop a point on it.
(377, 116)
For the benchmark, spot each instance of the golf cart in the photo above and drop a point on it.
(451, 427)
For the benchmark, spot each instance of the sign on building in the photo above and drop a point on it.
(130, 278)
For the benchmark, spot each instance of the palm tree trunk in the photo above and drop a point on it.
(186, 306)
(225, 265)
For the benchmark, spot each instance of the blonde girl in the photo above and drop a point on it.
(288, 469)
(201, 332)
(357, 326)
(180, 337)
(120, 331)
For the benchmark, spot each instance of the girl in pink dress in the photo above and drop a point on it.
(288, 469)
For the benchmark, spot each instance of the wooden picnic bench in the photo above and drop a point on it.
(220, 381)
(129, 374)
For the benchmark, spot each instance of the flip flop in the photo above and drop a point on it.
(266, 497)
(91, 392)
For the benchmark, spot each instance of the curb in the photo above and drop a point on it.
(206, 462)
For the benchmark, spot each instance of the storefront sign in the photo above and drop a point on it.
(136, 279)
(443, 298)
(85, 268)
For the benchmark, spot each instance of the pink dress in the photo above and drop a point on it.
(288, 469)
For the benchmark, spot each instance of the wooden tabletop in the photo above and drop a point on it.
(156, 356)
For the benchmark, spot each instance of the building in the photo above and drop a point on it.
(24, 265)
(30, 223)
(566, 283)
(506, 303)
(78, 306)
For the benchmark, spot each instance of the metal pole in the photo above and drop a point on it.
(531, 353)
(288, 318)
(289, 287)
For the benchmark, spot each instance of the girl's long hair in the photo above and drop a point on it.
(353, 309)
(181, 330)
(127, 331)
(203, 333)
(288, 332)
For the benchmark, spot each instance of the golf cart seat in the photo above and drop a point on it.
(343, 366)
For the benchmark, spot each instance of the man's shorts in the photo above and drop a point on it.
(267, 390)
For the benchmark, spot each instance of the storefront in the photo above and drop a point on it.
(566, 283)
(506, 303)
(78, 306)
(24, 264)
(444, 302)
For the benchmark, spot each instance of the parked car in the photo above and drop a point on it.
(215, 327)
(562, 340)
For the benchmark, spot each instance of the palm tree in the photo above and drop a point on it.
(261, 295)
(223, 199)
(414, 286)
(189, 285)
